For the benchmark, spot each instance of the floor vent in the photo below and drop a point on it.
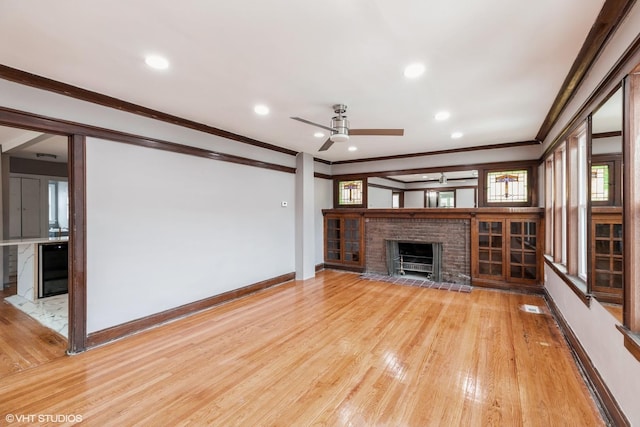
(532, 309)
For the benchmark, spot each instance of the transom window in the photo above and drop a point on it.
(600, 183)
(350, 193)
(507, 186)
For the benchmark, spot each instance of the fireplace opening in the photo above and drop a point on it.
(414, 259)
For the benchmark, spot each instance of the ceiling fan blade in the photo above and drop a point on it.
(381, 132)
(312, 124)
(328, 143)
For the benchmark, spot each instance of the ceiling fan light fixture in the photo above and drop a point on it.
(339, 137)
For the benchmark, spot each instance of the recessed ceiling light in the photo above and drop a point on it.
(442, 115)
(318, 134)
(457, 135)
(425, 177)
(414, 70)
(262, 110)
(157, 62)
(352, 148)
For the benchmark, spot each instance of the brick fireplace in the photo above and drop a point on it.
(452, 235)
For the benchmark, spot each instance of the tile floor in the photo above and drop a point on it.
(52, 312)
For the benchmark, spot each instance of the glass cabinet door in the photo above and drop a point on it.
(352, 239)
(490, 259)
(523, 250)
(333, 239)
(607, 258)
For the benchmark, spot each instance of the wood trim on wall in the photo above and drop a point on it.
(608, 20)
(606, 134)
(33, 80)
(77, 245)
(437, 152)
(607, 401)
(120, 331)
(631, 202)
(32, 121)
(322, 175)
(607, 86)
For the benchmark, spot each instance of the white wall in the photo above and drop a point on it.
(596, 330)
(167, 229)
(379, 197)
(414, 199)
(465, 198)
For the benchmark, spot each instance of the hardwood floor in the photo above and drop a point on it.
(24, 343)
(334, 350)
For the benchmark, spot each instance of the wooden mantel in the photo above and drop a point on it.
(453, 213)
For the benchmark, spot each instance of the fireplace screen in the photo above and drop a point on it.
(415, 258)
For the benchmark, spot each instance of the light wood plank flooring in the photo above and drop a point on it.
(24, 343)
(335, 350)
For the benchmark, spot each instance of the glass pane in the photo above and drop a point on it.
(507, 186)
(602, 263)
(483, 241)
(516, 243)
(496, 269)
(602, 279)
(617, 265)
(496, 256)
(530, 228)
(496, 227)
(483, 227)
(617, 247)
(617, 230)
(530, 259)
(333, 255)
(483, 255)
(602, 246)
(603, 230)
(350, 192)
(484, 268)
(516, 271)
(496, 241)
(530, 273)
(617, 281)
(516, 228)
(531, 242)
(600, 183)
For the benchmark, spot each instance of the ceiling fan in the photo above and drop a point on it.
(340, 128)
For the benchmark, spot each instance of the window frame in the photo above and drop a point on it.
(336, 193)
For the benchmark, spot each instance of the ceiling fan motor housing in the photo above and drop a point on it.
(340, 124)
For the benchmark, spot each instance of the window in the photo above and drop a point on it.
(350, 193)
(582, 206)
(548, 206)
(507, 186)
(397, 199)
(58, 208)
(446, 199)
(600, 183)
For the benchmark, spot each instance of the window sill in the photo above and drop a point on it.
(631, 341)
(577, 285)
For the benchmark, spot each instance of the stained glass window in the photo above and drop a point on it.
(350, 192)
(600, 183)
(507, 186)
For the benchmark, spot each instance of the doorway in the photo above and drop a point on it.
(35, 215)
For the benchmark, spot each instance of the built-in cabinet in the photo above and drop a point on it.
(344, 240)
(506, 251)
(606, 254)
(25, 206)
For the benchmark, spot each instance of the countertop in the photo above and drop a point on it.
(34, 240)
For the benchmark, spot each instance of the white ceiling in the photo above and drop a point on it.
(496, 65)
